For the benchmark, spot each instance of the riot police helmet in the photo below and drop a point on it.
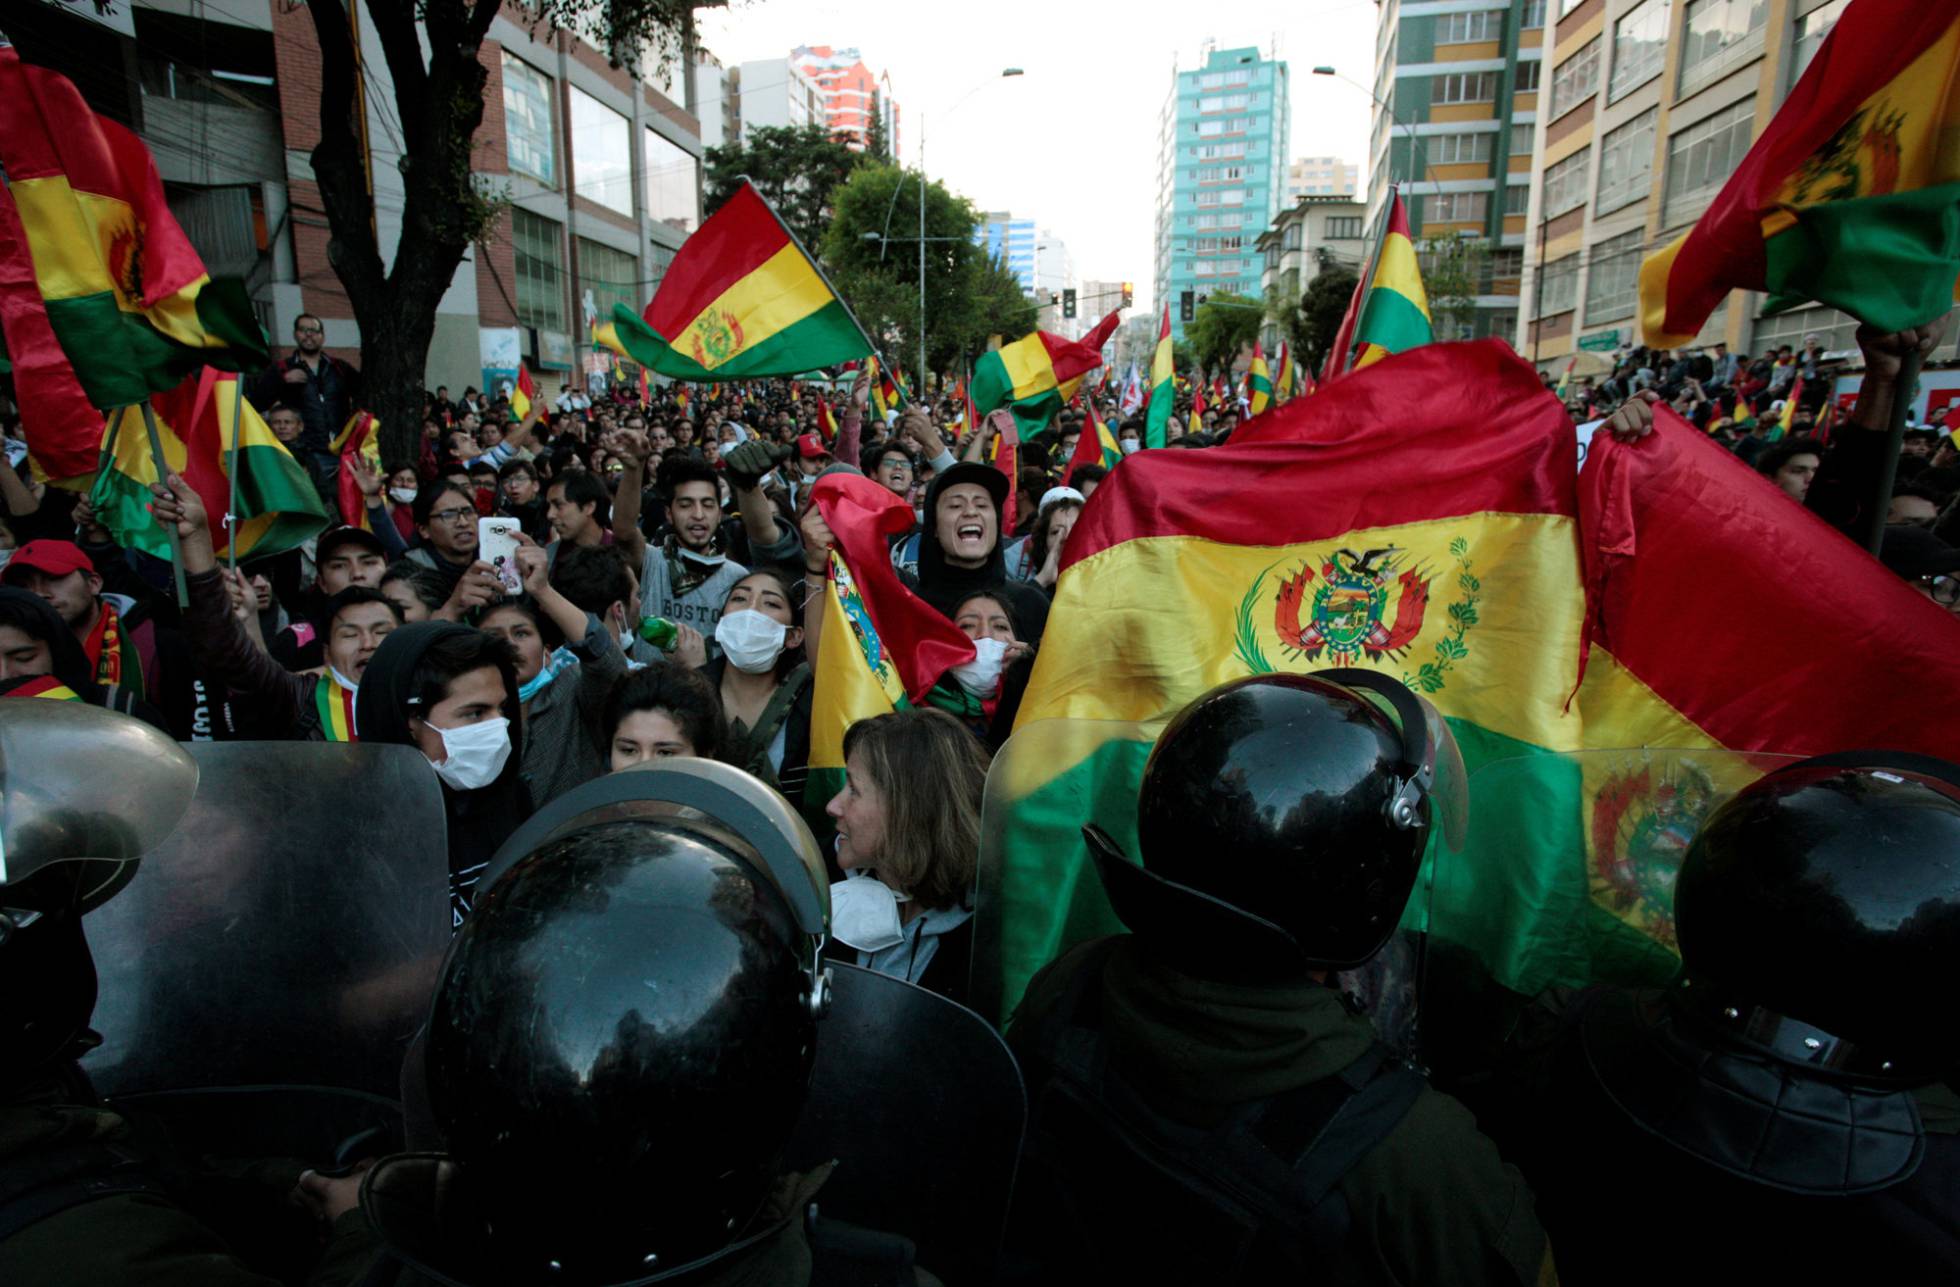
(1818, 909)
(1282, 823)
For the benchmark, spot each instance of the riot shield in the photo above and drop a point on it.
(922, 1105)
(1566, 879)
(287, 934)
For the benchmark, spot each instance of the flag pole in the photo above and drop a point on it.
(169, 529)
(231, 468)
(1895, 436)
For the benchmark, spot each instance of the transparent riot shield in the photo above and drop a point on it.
(288, 932)
(1038, 893)
(1566, 879)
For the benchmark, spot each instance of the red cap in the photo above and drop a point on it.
(809, 446)
(54, 558)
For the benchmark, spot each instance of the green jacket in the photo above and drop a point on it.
(1433, 1203)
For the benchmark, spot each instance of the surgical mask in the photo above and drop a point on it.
(750, 640)
(556, 662)
(1130, 445)
(864, 913)
(981, 676)
(704, 558)
(402, 495)
(476, 753)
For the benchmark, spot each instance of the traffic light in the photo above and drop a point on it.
(1129, 293)
(1053, 299)
(1187, 310)
(1068, 303)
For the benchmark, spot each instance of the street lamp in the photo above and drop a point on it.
(1415, 140)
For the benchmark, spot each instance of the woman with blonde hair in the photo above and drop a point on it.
(908, 841)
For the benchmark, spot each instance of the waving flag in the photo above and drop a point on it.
(1163, 386)
(1093, 446)
(359, 440)
(1395, 316)
(740, 299)
(525, 394)
(1037, 374)
(1283, 376)
(1131, 401)
(1851, 196)
(826, 422)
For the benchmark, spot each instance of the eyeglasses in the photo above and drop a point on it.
(309, 330)
(456, 515)
(1943, 589)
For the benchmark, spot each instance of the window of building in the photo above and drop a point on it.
(1521, 140)
(1626, 163)
(1219, 80)
(1575, 80)
(1466, 87)
(1504, 265)
(1213, 129)
(602, 154)
(1213, 151)
(673, 183)
(610, 276)
(1290, 239)
(1344, 227)
(1811, 30)
(1639, 47)
(527, 122)
(1565, 184)
(1533, 16)
(657, 261)
(540, 271)
(1224, 103)
(1701, 158)
(1448, 149)
(1527, 81)
(1558, 286)
(1838, 331)
(1719, 36)
(1456, 207)
(1613, 282)
(1517, 199)
(1207, 199)
(1462, 28)
(1232, 196)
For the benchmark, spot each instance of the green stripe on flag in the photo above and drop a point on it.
(120, 359)
(1392, 320)
(1889, 261)
(827, 337)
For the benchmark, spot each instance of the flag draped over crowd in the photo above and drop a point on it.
(1423, 518)
(1849, 195)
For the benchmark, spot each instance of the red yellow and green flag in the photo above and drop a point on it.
(741, 299)
(46, 686)
(1093, 446)
(359, 440)
(1163, 386)
(1259, 381)
(606, 336)
(1038, 374)
(277, 505)
(525, 393)
(1426, 519)
(126, 298)
(1395, 314)
(63, 428)
(1283, 375)
(1851, 196)
(1785, 420)
(826, 422)
(335, 707)
(684, 396)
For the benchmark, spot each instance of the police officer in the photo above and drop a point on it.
(83, 1198)
(1204, 1105)
(1776, 1115)
(619, 1047)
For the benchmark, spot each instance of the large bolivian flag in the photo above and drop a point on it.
(740, 299)
(277, 505)
(882, 646)
(1851, 197)
(1038, 374)
(1429, 523)
(124, 294)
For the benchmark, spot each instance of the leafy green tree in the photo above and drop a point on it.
(796, 168)
(1225, 325)
(877, 140)
(1322, 306)
(1451, 268)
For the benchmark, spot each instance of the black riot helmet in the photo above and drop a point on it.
(1282, 821)
(1818, 910)
(622, 1037)
(84, 793)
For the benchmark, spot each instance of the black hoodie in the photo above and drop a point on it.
(480, 820)
(35, 617)
(943, 585)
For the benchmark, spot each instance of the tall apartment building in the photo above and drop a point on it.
(1462, 85)
(1315, 233)
(1223, 141)
(777, 92)
(1012, 242)
(852, 93)
(716, 100)
(602, 168)
(1321, 176)
(1653, 104)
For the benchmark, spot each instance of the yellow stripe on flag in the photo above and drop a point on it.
(846, 688)
(783, 291)
(1029, 366)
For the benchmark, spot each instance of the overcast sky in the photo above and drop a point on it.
(1073, 142)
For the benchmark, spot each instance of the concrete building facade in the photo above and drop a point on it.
(1321, 176)
(1313, 234)
(777, 92)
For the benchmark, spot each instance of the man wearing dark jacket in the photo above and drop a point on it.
(324, 390)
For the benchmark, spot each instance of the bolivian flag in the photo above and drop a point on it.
(882, 647)
(126, 297)
(826, 422)
(1429, 523)
(606, 336)
(525, 393)
(1093, 446)
(1395, 314)
(1851, 197)
(359, 440)
(1283, 376)
(1259, 381)
(741, 299)
(1038, 374)
(277, 505)
(1163, 387)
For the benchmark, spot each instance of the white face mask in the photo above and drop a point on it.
(751, 640)
(864, 913)
(402, 495)
(1130, 445)
(981, 676)
(476, 753)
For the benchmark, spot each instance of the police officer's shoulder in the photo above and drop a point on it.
(1051, 985)
(1436, 1203)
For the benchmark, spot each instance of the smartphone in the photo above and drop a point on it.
(496, 544)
